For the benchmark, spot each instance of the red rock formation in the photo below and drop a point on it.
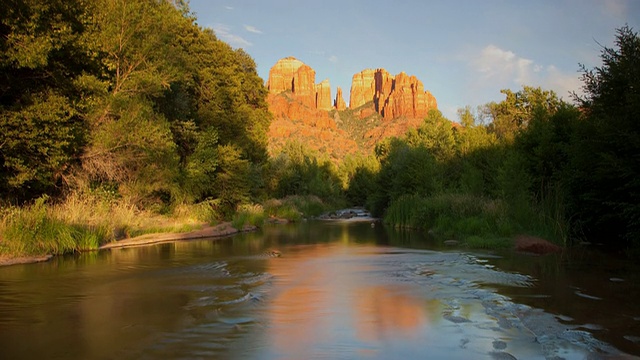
(281, 75)
(323, 95)
(408, 99)
(304, 87)
(292, 75)
(393, 97)
(382, 105)
(362, 88)
(339, 103)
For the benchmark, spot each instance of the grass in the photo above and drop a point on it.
(33, 231)
(307, 205)
(250, 214)
(81, 223)
(476, 221)
(84, 221)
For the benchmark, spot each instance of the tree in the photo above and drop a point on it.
(43, 54)
(513, 114)
(605, 185)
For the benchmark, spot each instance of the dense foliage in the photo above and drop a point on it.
(127, 98)
(130, 105)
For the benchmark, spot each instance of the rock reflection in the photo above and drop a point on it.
(330, 300)
(382, 312)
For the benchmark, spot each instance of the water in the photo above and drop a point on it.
(339, 291)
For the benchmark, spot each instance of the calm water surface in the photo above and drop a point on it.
(339, 291)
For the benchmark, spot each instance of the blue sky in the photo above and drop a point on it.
(463, 51)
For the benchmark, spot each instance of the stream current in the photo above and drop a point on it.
(338, 290)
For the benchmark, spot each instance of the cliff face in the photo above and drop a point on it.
(323, 95)
(408, 99)
(291, 74)
(339, 103)
(392, 96)
(281, 75)
(381, 105)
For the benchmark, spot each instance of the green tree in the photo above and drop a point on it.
(43, 53)
(513, 114)
(605, 185)
(434, 134)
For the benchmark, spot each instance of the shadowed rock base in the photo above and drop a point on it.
(535, 245)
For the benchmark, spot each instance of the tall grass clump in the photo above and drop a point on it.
(476, 220)
(307, 205)
(547, 219)
(248, 214)
(207, 211)
(31, 230)
(282, 210)
(404, 211)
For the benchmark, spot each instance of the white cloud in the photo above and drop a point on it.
(497, 69)
(500, 65)
(252, 29)
(333, 59)
(563, 83)
(229, 7)
(224, 32)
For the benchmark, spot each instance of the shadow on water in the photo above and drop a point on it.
(339, 290)
(595, 290)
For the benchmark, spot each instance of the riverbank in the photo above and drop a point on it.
(522, 243)
(218, 231)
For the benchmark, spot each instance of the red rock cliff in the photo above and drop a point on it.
(291, 74)
(281, 75)
(339, 103)
(393, 97)
(323, 95)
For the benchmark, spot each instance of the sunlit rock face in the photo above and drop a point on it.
(292, 75)
(393, 96)
(323, 95)
(281, 75)
(339, 103)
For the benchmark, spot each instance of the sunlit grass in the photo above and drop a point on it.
(82, 223)
(249, 214)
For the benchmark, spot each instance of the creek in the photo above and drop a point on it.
(338, 290)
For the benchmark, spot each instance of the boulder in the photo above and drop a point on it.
(535, 245)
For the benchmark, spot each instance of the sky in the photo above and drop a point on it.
(464, 52)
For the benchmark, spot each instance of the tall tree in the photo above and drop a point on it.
(606, 161)
(512, 114)
(43, 54)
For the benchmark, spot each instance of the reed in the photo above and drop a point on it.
(282, 210)
(248, 214)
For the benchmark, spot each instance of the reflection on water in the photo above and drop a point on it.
(339, 291)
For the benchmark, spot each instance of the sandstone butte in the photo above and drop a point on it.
(302, 109)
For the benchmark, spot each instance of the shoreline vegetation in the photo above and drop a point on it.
(39, 232)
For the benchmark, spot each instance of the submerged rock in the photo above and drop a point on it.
(535, 245)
